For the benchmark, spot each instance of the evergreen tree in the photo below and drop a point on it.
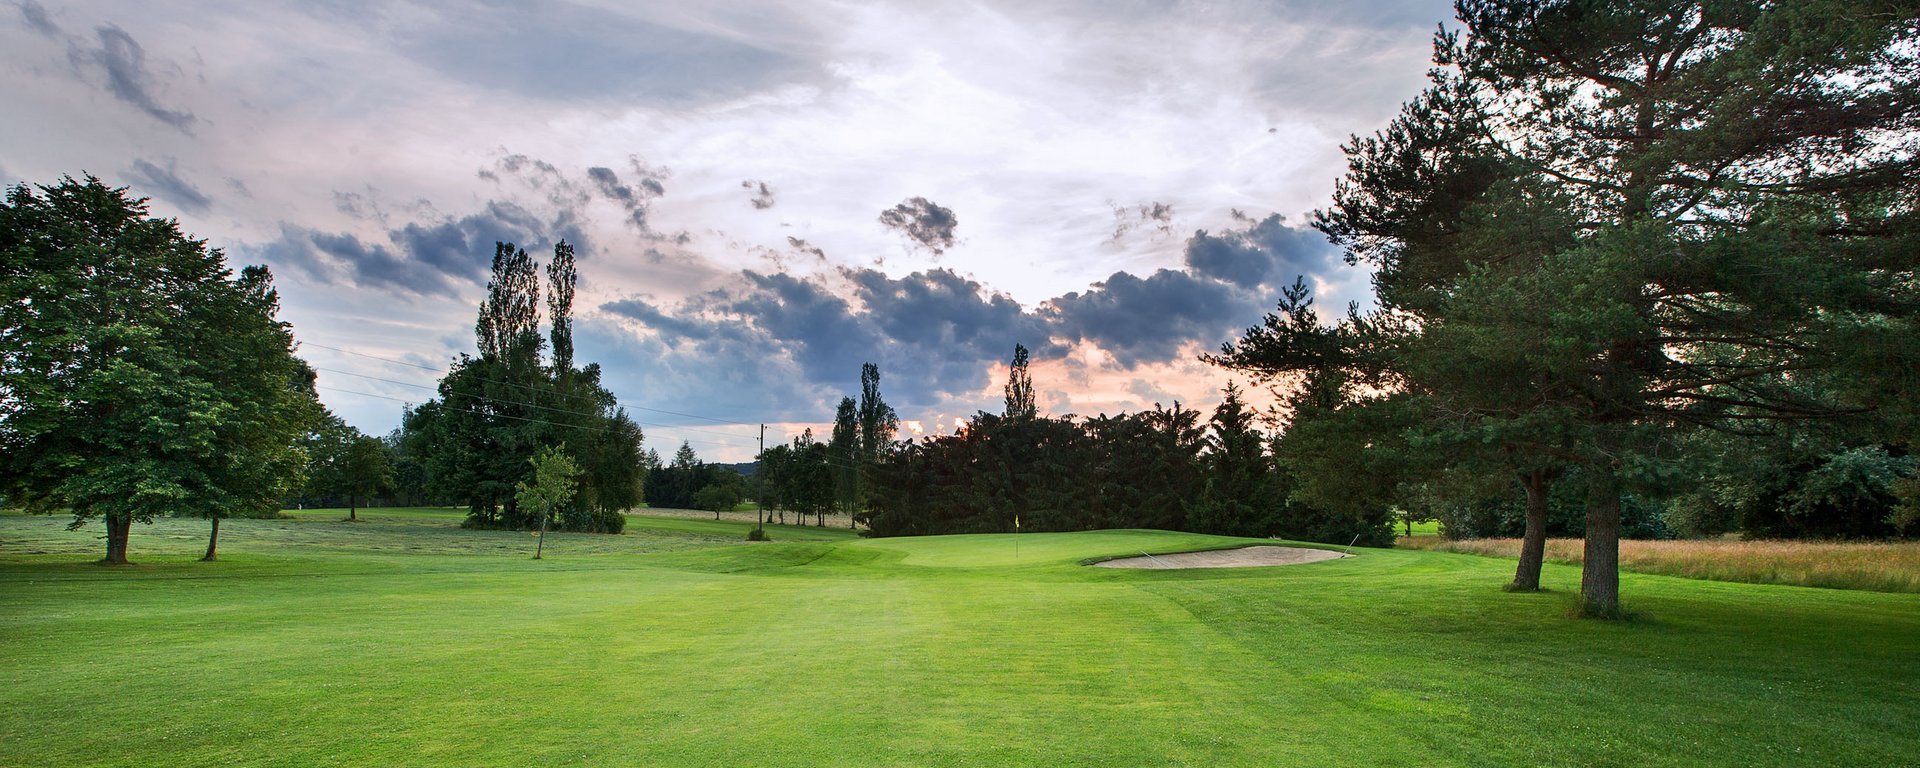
(1583, 231)
(1238, 473)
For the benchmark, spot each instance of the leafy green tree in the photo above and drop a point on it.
(138, 376)
(343, 462)
(501, 407)
(717, 498)
(551, 486)
(810, 478)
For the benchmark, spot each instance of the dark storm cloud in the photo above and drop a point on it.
(574, 52)
(936, 333)
(669, 326)
(166, 184)
(923, 222)
(1266, 253)
(123, 64)
(1144, 320)
(36, 17)
(422, 258)
(932, 333)
(762, 194)
(940, 310)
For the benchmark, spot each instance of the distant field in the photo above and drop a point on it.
(405, 640)
(1878, 566)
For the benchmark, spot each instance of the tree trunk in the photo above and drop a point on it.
(543, 538)
(213, 542)
(118, 526)
(1600, 573)
(1533, 544)
(353, 508)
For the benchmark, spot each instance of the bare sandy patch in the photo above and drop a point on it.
(1244, 557)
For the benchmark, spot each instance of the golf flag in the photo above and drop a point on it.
(1016, 522)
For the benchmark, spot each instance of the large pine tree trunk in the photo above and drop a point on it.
(213, 542)
(1533, 544)
(118, 526)
(1600, 573)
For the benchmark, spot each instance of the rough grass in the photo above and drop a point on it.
(317, 642)
(1876, 566)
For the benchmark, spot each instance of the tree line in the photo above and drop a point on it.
(1020, 470)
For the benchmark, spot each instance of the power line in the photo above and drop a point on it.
(496, 400)
(507, 416)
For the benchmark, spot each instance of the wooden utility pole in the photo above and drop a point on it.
(760, 484)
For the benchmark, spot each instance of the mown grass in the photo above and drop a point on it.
(1876, 566)
(318, 643)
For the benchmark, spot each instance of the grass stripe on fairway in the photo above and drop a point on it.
(406, 640)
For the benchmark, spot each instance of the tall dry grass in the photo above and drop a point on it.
(1876, 566)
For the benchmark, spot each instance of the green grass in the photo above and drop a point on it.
(404, 640)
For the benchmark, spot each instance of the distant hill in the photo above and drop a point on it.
(747, 468)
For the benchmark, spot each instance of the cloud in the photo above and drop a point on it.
(635, 199)
(940, 310)
(806, 248)
(1148, 392)
(1156, 215)
(1140, 320)
(36, 17)
(923, 222)
(571, 52)
(762, 194)
(439, 257)
(938, 335)
(1268, 252)
(166, 184)
(124, 64)
(933, 333)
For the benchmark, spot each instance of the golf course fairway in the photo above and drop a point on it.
(405, 640)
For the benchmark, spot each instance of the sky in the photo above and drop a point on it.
(763, 195)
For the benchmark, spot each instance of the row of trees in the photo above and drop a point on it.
(1615, 243)
(689, 483)
(1163, 468)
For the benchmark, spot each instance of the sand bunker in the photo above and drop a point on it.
(1226, 558)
